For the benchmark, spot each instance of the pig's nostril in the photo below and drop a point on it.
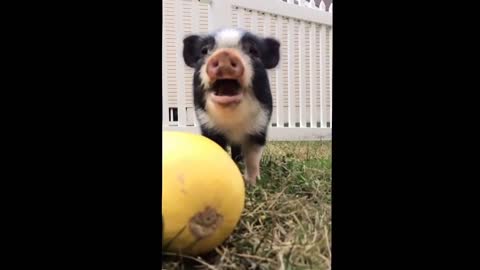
(215, 63)
(233, 64)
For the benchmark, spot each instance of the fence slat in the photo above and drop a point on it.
(195, 29)
(254, 21)
(241, 18)
(267, 32)
(323, 90)
(331, 72)
(164, 75)
(266, 24)
(303, 89)
(278, 77)
(180, 68)
(219, 14)
(291, 78)
(322, 6)
(313, 77)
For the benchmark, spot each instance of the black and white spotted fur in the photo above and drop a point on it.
(243, 126)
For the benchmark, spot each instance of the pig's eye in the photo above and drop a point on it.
(204, 50)
(253, 51)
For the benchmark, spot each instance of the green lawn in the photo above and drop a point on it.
(286, 223)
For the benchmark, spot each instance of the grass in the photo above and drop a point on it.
(286, 223)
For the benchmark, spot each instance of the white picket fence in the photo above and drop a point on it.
(301, 84)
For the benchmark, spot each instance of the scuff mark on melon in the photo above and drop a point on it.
(181, 178)
(205, 223)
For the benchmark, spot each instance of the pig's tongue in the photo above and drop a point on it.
(226, 88)
(227, 92)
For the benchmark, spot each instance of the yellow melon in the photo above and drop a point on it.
(203, 193)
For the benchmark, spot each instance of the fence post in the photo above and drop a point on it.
(330, 9)
(165, 118)
(219, 14)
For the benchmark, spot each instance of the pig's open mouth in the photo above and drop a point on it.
(226, 92)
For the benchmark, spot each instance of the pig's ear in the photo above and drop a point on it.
(191, 53)
(271, 55)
